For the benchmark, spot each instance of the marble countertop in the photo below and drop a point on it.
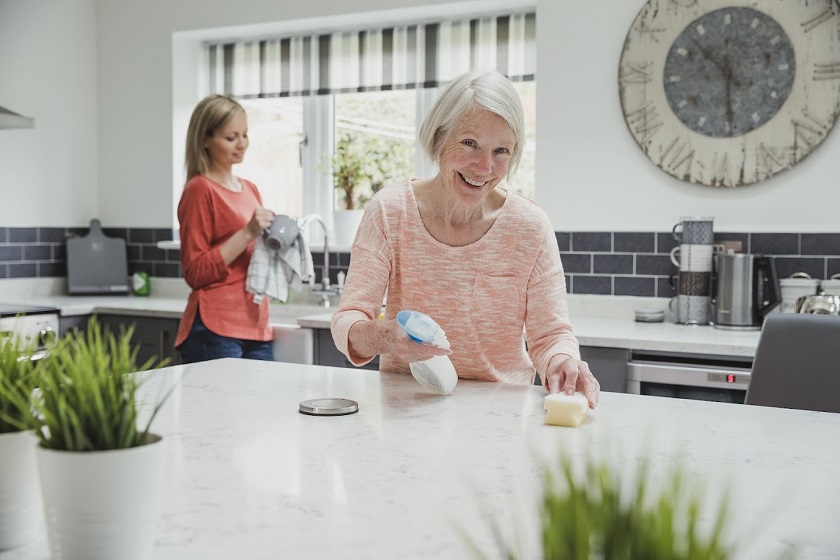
(626, 333)
(594, 320)
(247, 476)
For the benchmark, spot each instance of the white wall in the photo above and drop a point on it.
(48, 174)
(103, 141)
(592, 176)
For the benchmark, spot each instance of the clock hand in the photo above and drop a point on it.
(707, 54)
(725, 67)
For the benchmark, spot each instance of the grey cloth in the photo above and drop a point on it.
(271, 273)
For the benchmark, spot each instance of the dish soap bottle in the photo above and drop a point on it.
(437, 373)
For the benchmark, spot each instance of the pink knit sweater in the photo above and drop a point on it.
(484, 295)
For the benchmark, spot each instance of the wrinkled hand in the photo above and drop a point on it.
(574, 375)
(260, 220)
(408, 349)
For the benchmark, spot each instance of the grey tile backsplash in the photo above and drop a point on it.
(609, 263)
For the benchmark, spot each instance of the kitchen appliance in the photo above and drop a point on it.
(689, 376)
(96, 263)
(746, 289)
(37, 325)
(819, 304)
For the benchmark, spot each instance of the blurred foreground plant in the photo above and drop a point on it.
(17, 380)
(596, 514)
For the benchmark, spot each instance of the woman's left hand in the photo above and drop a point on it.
(574, 375)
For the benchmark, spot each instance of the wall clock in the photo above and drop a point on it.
(730, 92)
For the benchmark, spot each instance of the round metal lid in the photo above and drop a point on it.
(328, 407)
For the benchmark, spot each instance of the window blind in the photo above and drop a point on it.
(402, 57)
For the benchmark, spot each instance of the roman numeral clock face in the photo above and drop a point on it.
(730, 92)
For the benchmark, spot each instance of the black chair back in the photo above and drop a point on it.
(797, 363)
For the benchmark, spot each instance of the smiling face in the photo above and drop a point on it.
(476, 156)
(228, 144)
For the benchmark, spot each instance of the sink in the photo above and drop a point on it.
(288, 314)
(293, 343)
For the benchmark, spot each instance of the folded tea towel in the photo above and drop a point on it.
(271, 273)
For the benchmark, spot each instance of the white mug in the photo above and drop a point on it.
(696, 258)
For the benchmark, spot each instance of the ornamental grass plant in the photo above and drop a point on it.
(17, 381)
(595, 513)
(87, 390)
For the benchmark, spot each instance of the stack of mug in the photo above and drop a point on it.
(693, 257)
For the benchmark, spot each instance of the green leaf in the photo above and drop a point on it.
(88, 386)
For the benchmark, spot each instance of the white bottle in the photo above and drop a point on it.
(437, 373)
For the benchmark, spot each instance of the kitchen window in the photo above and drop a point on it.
(311, 96)
(380, 124)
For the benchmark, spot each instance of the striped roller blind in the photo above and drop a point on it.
(411, 56)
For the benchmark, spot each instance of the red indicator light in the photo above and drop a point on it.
(730, 378)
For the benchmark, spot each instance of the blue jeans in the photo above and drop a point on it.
(203, 344)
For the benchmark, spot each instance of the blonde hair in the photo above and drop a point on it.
(211, 113)
(489, 90)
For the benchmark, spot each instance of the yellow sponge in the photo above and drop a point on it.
(565, 410)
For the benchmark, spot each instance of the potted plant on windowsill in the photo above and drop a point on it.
(20, 496)
(99, 471)
(348, 173)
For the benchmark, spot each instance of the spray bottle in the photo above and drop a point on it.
(437, 373)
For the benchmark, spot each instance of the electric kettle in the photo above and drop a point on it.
(745, 288)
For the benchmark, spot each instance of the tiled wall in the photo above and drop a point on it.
(639, 264)
(40, 252)
(618, 263)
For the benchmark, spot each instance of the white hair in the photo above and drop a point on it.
(489, 90)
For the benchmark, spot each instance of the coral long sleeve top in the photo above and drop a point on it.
(209, 214)
(485, 295)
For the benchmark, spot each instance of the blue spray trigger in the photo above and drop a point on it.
(419, 326)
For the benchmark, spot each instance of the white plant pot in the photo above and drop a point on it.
(20, 494)
(101, 505)
(346, 223)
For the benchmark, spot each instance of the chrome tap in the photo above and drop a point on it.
(325, 289)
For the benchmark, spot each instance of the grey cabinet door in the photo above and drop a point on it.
(73, 322)
(609, 365)
(326, 353)
(154, 335)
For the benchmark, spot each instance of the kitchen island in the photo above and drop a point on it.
(247, 476)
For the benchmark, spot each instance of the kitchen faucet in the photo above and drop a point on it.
(325, 290)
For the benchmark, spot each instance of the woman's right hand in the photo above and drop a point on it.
(260, 220)
(406, 348)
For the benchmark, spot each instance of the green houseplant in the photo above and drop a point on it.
(351, 178)
(20, 499)
(99, 470)
(360, 166)
(349, 172)
(596, 513)
(87, 399)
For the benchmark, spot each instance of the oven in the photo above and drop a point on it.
(35, 325)
(689, 376)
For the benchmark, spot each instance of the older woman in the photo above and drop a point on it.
(480, 260)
